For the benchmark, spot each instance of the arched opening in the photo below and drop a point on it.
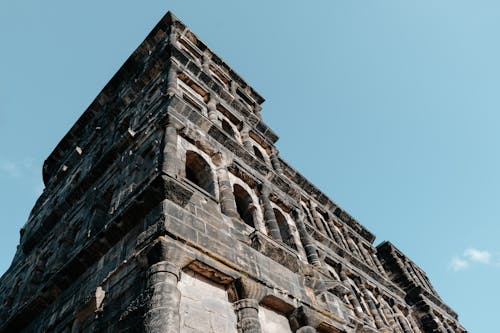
(228, 128)
(286, 235)
(244, 204)
(258, 153)
(198, 171)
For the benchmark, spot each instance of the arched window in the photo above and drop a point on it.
(228, 128)
(244, 204)
(198, 171)
(286, 235)
(258, 153)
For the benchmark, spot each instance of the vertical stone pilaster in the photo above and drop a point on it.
(352, 245)
(336, 234)
(257, 109)
(377, 262)
(169, 161)
(247, 314)
(163, 315)
(317, 218)
(276, 162)
(366, 255)
(374, 312)
(245, 137)
(206, 63)
(269, 217)
(351, 296)
(402, 320)
(172, 79)
(226, 196)
(212, 110)
(309, 247)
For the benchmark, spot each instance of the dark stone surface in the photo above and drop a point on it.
(119, 223)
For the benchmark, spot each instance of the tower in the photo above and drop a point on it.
(167, 208)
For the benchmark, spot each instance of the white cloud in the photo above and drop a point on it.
(10, 169)
(16, 169)
(458, 264)
(472, 255)
(483, 257)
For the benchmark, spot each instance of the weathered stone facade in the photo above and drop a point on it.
(167, 208)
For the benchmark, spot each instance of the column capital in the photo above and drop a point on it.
(165, 267)
(246, 303)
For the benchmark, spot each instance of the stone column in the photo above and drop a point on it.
(351, 296)
(336, 235)
(226, 196)
(352, 246)
(366, 255)
(172, 79)
(212, 110)
(307, 243)
(374, 312)
(163, 308)
(389, 315)
(275, 162)
(402, 320)
(247, 313)
(173, 37)
(377, 262)
(245, 137)
(400, 263)
(306, 329)
(269, 217)
(317, 218)
(206, 63)
(257, 109)
(169, 161)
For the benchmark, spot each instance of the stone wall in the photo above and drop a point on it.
(168, 209)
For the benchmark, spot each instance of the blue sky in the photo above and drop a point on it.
(389, 107)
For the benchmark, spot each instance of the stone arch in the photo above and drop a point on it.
(286, 234)
(244, 205)
(199, 172)
(258, 218)
(226, 126)
(258, 154)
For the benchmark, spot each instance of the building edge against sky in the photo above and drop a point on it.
(170, 183)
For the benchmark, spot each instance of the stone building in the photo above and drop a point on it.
(167, 208)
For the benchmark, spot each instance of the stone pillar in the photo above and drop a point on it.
(351, 296)
(275, 162)
(377, 262)
(374, 312)
(245, 137)
(212, 110)
(172, 79)
(402, 320)
(366, 255)
(206, 63)
(400, 263)
(388, 313)
(269, 217)
(173, 38)
(340, 229)
(257, 109)
(169, 161)
(333, 231)
(247, 313)
(352, 246)
(306, 329)
(309, 248)
(163, 308)
(317, 218)
(226, 196)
